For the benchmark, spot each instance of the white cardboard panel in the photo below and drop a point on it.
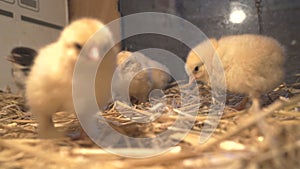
(22, 26)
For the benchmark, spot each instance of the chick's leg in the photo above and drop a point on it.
(46, 127)
(255, 107)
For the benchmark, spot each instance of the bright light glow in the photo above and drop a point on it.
(237, 16)
(231, 145)
(260, 139)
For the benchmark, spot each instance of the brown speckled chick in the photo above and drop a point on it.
(253, 64)
(132, 71)
(49, 85)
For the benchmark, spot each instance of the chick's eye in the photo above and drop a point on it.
(196, 69)
(78, 46)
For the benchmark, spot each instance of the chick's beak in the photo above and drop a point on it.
(191, 79)
(10, 58)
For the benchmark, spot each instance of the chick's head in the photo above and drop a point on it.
(75, 36)
(122, 56)
(23, 56)
(199, 61)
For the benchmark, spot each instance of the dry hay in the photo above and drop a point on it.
(270, 140)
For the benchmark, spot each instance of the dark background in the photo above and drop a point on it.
(276, 18)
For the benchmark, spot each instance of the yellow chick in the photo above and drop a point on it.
(49, 85)
(134, 70)
(253, 64)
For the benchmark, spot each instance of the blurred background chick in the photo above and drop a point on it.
(49, 85)
(253, 64)
(22, 59)
(140, 75)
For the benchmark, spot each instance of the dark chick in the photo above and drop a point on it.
(22, 59)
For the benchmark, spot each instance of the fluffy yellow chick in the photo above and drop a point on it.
(49, 85)
(253, 64)
(132, 69)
